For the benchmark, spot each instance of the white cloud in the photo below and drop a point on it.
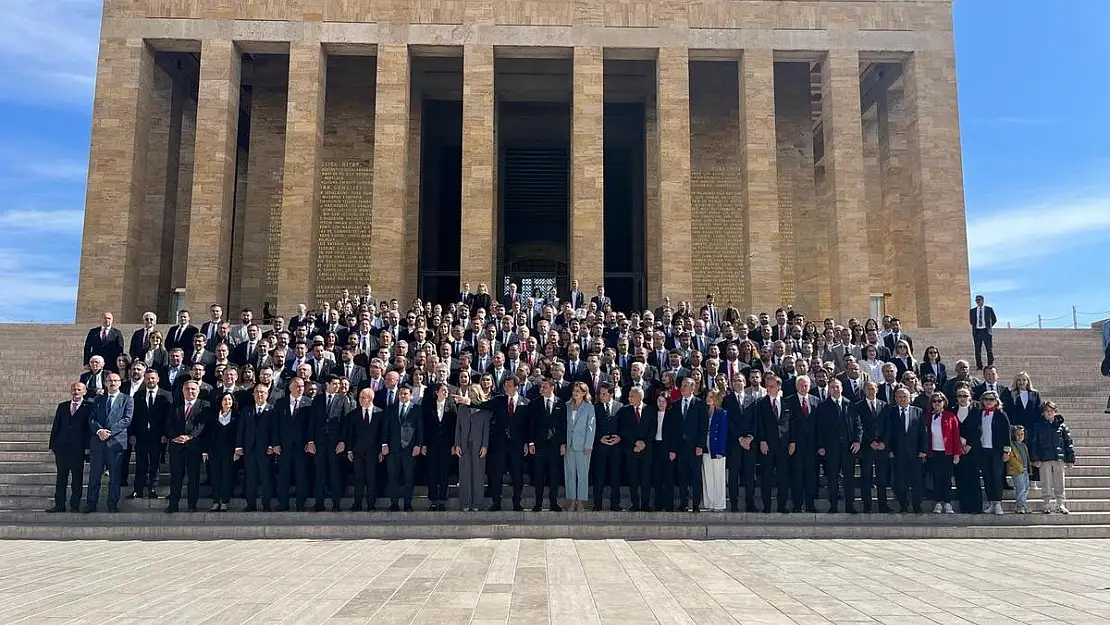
(49, 49)
(1039, 230)
(36, 288)
(988, 287)
(48, 221)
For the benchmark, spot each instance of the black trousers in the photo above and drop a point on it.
(258, 474)
(509, 455)
(292, 470)
(438, 467)
(804, 474)
(940, 468)
(605, 463)
(968, 491)
(909, 482)
(366, 477)
(184, 462)
(689, 477)
(741, 472)
(982, 338)
(329, 476)
(841, 470)
(548, 465)
(775, 470)
(148, 455)
(125, 463)
(402, 472)
(71, 469)
(990, 464)
(638, 467)
(221, 474)
(874, 465)
(662, 477)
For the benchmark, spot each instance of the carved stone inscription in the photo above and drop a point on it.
(718, 234)
(346, 208)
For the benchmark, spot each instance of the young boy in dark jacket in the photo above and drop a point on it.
(1051, 449)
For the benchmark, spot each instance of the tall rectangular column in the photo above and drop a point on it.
(937, 191)
(587, 215)
(759, 173)
(391, 142)
(842, 120)
(479, 154)
(899, 218)
(116, 184)
(211, 215)
(673, 103)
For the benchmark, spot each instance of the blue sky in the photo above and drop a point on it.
(1033, 92)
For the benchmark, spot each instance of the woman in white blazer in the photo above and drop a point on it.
(581, 424)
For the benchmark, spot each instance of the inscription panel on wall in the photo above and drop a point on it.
(343, 226)
(718, 235)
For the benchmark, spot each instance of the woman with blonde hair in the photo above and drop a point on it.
(713, 461)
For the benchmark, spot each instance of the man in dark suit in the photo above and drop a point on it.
(637, 430)
(512, 297)
(896, 334)
(348, 369)
(988, 430)
(108, 422)
(139, 337)
(576, 298)
(211, 327)
(689, 421)
(69, 437)
(326, 442)
(601, 300)
(741, 445)
(776, 444)
(96, 378)
(803, 432)
(367, 441)
(909, 439)
(593, 377)
(852, 381)
(989, 385)
(184, 428)
(201, 355)
(405, 429)
(607, 449)
(104, 341)
(147, 433)
(253, 443)
(292, 424)
(982, 320)
(510, 433)
(247, 351)
(839, 434)
(547, 442)
(321, 366)
(874, 459)
(181, 335)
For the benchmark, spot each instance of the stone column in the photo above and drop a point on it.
(801, 268)
(116, 183)
(265, 180)
(479, 154)
(759, 173)
(879, 280)
(411, 270)
(848, 267)
(391, 136)
(587, 215)
(210, 217)
(898, 219)
(156, 251)
(937, 191)
(673, 105)
(300, 184)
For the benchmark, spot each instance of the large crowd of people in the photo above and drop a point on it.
(673, 409)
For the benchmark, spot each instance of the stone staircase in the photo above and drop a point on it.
(1062, 363)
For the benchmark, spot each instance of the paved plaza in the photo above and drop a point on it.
(556, 581)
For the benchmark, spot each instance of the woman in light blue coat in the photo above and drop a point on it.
(581, 424)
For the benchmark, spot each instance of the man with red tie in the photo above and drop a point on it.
(803, 427)
(104, 341)
(637, 428)
(69, 436)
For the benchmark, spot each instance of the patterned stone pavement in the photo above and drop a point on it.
(556, 581)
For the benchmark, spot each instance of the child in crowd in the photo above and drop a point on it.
(1017, 468)
(1051, 449)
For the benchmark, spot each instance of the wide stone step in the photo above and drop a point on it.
(42, 456)
(42, 437)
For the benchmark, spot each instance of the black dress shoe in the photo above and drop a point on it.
(832, 510)
(595, 508)
(555, 508)
(495, 507)
(170, 509)
(151, 494)
(134, 495)
(784, 511)
(56, 509)
(88, 510)
(282, 508)
(851, 510)
(75, 509)
(250, 509)
(885, 509)
(354, 508)
(113, 509)
(537, 508)
(318, 508)
(408, 508)
(518, 508)
(266, 508)
(191, 509)
(696, 509)
(300, 508)
(734, 508)
(394, 507)
(215, 507)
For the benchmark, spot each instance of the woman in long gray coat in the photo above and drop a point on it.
(581, 423)
(471, 444)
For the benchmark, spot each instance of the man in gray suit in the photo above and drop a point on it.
(108, 421)
(908, 445)
(471, 445)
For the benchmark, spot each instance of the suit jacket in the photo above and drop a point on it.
(838, 424)
(406, 433)
(775, 431)
(291, 429)
(972, 430)
(504, 427)
(642, 429)
(508, 300)
(803, 427)
(182, 337)
(137, 346)
(358, 374)
(149, 422)
(874, 425)
(577, 299)
(472, 428)
(846, 384)
(321, 368)
(687, 431)
(364, 436)
(109, 348)
(438, 434)
(238, 354)
(741, 420)
(115, 418)
(935, 369)
(980, 388)
(890, 342)
(989, 318)
(94, 382)
(193, 425)
(607, 424)
(255, 432)
(886, 393)
(601, 302)
(480, 300)
(69, 434)
(327, 421)
(550, 430)
(907, 444)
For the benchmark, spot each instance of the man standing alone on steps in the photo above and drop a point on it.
(982, 321)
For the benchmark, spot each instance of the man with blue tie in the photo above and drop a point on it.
(108, 421)
(688, 436)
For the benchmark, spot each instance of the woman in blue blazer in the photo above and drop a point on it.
(713, 461)
(581, 425)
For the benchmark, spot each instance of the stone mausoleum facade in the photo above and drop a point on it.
(769, 151)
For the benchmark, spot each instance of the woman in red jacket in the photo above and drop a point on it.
(944, 450)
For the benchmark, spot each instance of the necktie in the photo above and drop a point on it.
(366, 415)
(981, 316)
(906, 419)
(685, 406)
(188, 409)
(296, 402)
(348, 372)
(872, 404)
(104, 334)
(250, 351)
(404, 411)
(637, 409)
(512, 406)
(72, 408)
(390, 399)
(150, 399)
(805, 407)
(549, 407)
(775, 406)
